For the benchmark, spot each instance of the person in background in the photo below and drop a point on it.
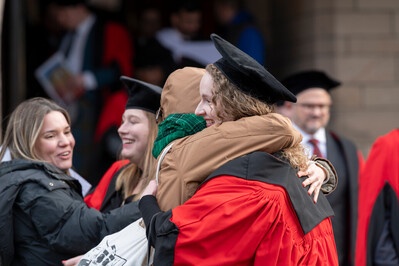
(378, 231)
(124, 180)
(310, 115)
(186, 17)
(238, 26)
(42, 40)
(43, 218)
(153, 62)
(257, 196)
(182, 37)
(96, 52)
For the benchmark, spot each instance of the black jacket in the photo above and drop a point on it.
(43, 219)
(343, 154)
(383, 232)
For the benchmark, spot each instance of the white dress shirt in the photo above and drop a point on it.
(320, 135)
(75, 57)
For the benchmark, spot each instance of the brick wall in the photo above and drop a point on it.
(355, 41)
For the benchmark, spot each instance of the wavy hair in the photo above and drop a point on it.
(232, 104)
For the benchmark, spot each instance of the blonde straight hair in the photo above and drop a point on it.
(24, 126)
(131, 175)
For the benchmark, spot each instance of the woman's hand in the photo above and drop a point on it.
(151, 189)
(316, 176)
(72, 261)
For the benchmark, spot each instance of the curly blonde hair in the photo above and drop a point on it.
(230, 104)
(234, 104)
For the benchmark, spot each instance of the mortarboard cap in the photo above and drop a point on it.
(142, 95)
(248, 75)
(303, 80)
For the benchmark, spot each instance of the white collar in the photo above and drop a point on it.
(320, 135)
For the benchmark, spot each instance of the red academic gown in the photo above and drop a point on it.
(96, 198)
(118, 51)
(108, 54)
(380, 170)
(251, 211)
(114, 52)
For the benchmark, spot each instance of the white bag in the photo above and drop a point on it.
(128, 247)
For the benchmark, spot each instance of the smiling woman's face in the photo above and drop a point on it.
(55, 142)
(206, 108)
(134, 133)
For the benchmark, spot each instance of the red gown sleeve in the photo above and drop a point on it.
(381, 166)
(95, 199)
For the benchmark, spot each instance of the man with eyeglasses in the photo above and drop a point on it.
(310, 115)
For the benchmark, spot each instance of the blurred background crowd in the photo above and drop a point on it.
(354, 41)
(75, 51)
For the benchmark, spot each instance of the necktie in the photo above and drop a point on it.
(316, 150)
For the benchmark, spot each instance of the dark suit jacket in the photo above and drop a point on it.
(343, 154)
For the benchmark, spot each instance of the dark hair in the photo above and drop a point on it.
(69, 2)
(237, 4)
(185, 5)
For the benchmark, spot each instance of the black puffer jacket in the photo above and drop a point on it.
(43, 219)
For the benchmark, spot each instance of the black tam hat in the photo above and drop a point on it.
(142, 95)
(303, 80)
(248, 75)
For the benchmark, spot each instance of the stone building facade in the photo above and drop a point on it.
(356, 41)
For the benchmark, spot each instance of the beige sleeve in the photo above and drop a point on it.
(193, 158)
(331, 182)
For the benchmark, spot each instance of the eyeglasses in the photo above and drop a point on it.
(159, 115)
(311, 107)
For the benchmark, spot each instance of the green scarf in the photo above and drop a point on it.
(176, 126)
